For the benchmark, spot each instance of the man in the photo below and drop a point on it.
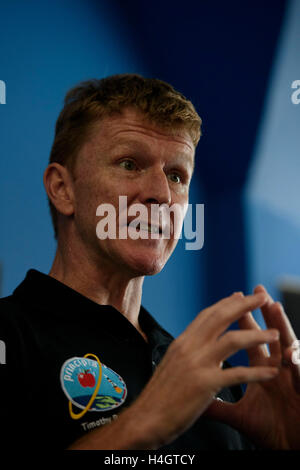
(87, 366)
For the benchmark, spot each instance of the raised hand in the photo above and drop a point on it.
(198, 354)
(269, 412)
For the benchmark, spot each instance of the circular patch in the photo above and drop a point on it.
(91, 385)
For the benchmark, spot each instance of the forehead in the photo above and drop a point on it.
(133, 129)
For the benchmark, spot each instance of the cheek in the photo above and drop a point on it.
(177, 218)
(89, 196)
(86, 202)
(171, 247)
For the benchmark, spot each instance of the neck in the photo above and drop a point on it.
(99, 282)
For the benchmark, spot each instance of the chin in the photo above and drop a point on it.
(147, 266)
(142, 259)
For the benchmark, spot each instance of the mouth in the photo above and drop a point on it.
(146, 227)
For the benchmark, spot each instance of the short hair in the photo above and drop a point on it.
(92, 100)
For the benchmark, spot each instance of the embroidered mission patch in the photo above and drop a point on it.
(91, 385)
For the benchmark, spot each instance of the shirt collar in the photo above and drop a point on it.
(46, 295)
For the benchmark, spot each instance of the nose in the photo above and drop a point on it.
(156, 189)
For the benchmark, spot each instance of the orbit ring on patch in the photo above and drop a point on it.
(88, 406)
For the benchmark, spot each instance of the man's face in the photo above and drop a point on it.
(129, 156)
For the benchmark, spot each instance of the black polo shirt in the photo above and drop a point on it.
(73, 365)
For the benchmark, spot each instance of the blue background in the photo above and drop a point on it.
(236, 62)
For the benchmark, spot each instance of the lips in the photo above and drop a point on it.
(145, 226)
(160, 225)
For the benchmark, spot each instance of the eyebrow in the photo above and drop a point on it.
(129, 143)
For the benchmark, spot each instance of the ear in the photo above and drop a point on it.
(58, 185)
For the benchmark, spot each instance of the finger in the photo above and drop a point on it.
(275, 316)
(234, 341)
(266, 310)
(216, 319)
(259, 353)
(240, 375)
(281, 321)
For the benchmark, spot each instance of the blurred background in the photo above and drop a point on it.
(236, 61)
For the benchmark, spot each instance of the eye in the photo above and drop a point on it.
(128, 165)
(175, 178)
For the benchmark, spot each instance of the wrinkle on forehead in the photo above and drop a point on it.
(130, 139)
(160, 135)
(131, 121)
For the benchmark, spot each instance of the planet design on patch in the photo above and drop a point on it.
(91, 385)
